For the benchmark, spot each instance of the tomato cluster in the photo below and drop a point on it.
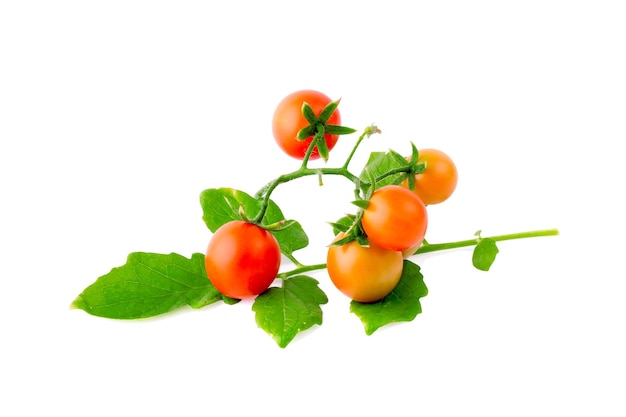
(395, 223)
(365, 261)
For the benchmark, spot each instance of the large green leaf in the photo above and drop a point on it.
(220, 206)
(402, 304)
(286, 311)
(147, 285)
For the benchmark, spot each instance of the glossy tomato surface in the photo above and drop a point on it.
(242, 259)
(395, 218)
(365, 274)
(288, 121)
(439, 179)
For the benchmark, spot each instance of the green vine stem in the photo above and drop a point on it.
(300, 270)
(428, 247)
(264, 193)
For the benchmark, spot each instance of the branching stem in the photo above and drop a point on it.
(428, 247)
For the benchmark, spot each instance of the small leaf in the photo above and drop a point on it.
(308, 113)
(284, 312)
(362, 241)
(149, 284)
(343, 224)
(411, 182)
(306, 132)
(343, 240)
(328, 111)
(361, 203)
(484, 254)
(414, 154)
(322, 147)
(402, 304)
(400, 160)
(339, 227)
(339, 130)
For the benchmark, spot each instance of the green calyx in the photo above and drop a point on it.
(318, 127)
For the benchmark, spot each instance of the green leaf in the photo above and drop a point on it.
(339, 227)
(216, 207)
(379, 165)
(342, 225)
(402, 304)
(400, 160)
(308, 113)
(414, 154)
(328, 111)
(306, 132)
(343, 240)
(322, 147)
(339, 130)
(361, 203)
(484, 254)
(284, 312)
(149, 284)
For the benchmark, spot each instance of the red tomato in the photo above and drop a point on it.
(395, 218)
(288, 121)
(438, 181)
(242, 259)
(365, 274)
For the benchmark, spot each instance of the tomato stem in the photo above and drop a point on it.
(300, 270)
(309, 151)
(264, 193)
(294, 260)
(430, 247)
(369, 131)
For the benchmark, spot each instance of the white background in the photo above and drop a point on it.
(115, 115)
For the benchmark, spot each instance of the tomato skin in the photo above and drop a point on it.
(438, 181)
(242, 259)
(407, 253)
(364, 274)
(395, 218)
(288, 120)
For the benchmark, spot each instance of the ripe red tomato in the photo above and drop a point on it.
(288, 121)
(242, 259)
(365, 274)
(395, 218)
(438, 181)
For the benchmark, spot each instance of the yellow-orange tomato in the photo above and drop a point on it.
(365, 274)
(407, 253)
(438, 181)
